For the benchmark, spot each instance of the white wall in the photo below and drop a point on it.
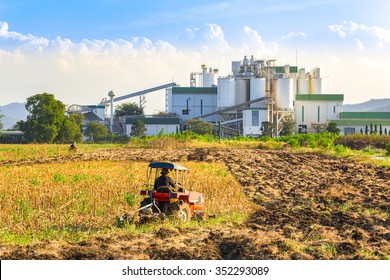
(328, 110)
(198, 104)
(249, 129)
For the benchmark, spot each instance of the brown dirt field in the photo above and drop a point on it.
(309, 206)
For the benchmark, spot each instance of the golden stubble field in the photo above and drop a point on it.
(290, 205)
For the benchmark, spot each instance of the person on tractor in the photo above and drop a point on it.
(164, 182)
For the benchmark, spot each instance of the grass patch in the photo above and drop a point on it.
(72, 201)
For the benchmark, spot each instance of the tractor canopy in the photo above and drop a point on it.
(168, 165)
(177, 171)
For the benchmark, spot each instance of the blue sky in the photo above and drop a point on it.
(79, 50)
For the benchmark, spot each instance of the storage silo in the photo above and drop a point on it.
(315, 85)
(226, 92)
(236, 68)
(303, 86)
(257, 90)
(209, 79)
(242, 91)
(302, 82)
(284, 97)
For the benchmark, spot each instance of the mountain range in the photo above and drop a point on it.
(15, 112)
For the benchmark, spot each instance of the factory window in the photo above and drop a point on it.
(318, 113)
(255, 118)
(334, 109)
(185, 112)
(303, 113)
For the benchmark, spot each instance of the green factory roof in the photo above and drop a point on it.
(96, 106)
(365, 115)
(254, 108)
(361, 122)
(280, 69)
(320, 97)
(153, 120)
(194, 90)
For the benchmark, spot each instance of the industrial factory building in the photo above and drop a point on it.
(257, 91)
(360, 122)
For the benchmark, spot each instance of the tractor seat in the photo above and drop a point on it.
(164, 189)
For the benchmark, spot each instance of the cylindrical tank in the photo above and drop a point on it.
(303, 86)
(242, 91)
(257, 90)
(284, 96)
(226, 92)
(236, 68)
(315, 85)
(208, 80)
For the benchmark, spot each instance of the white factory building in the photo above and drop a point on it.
(256, 91)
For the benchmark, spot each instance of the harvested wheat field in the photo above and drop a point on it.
(295, 205)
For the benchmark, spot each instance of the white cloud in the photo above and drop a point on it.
(83, 72)
(210, 37)
(25, 41)
(254, 44)
(352, 28)
(359, 44)
(294, 34)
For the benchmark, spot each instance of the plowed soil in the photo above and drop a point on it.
(308, 206)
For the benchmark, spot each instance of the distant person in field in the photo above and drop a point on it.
(164, 181)
(73, 147)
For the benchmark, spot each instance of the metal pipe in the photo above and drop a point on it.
(111, 95)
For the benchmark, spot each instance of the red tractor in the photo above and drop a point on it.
(177, 201)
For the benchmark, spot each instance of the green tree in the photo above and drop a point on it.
(45, 119)
(268, 129)
(385, 131)
(321, 128)
(332, 128)
(96, 131)
(288, 126)
(366, 130)
(71, 129)
(371, 129)
(128, 109)
(380, 130)
(200, 127)
(138, 129)
(1, 123)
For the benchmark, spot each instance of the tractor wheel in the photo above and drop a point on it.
(183, 212)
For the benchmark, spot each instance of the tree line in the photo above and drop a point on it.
(47, 122)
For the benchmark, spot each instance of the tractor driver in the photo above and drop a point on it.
(164, 180)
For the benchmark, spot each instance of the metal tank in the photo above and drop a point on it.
(242, 91)
(257, 90)
(209, 79)
(226, 92)
(315, 85)
(284, 97)
(302, 82)
(236, 68)
(303, 86)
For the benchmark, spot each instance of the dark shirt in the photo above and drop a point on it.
(163, 181)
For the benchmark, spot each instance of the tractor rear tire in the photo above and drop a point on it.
(183, 213)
